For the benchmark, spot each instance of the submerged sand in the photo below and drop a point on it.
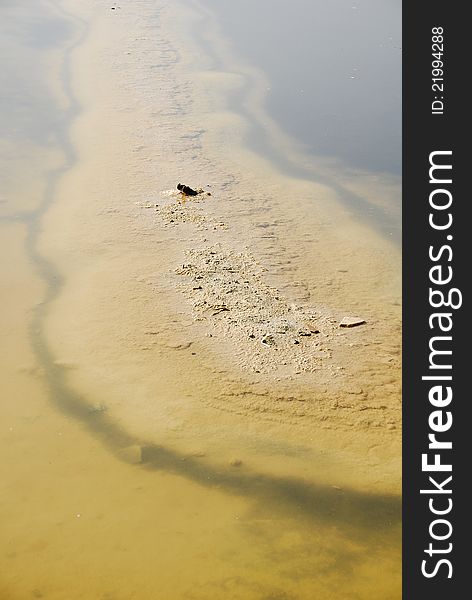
(270, 254)
(202, 338)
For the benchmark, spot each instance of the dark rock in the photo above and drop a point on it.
(185, 189)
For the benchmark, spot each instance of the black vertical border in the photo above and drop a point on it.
(424, 133)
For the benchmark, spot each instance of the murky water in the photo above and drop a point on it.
(120, 474)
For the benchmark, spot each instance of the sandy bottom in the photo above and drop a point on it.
(198, 424)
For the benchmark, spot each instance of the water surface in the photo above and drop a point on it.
(81, 518)
(334, 69)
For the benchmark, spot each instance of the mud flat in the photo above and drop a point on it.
(200, 342)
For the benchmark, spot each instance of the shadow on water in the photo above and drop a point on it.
(356, 510)
(359, 512)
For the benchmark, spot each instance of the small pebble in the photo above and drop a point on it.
(351, 322)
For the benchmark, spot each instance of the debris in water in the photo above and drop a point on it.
(185, 189)
(98, 407)
(351, 322)
(131, 454)
(188, 191)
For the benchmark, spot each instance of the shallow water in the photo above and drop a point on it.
(323, 82)
(334, 72)
(93, 504)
